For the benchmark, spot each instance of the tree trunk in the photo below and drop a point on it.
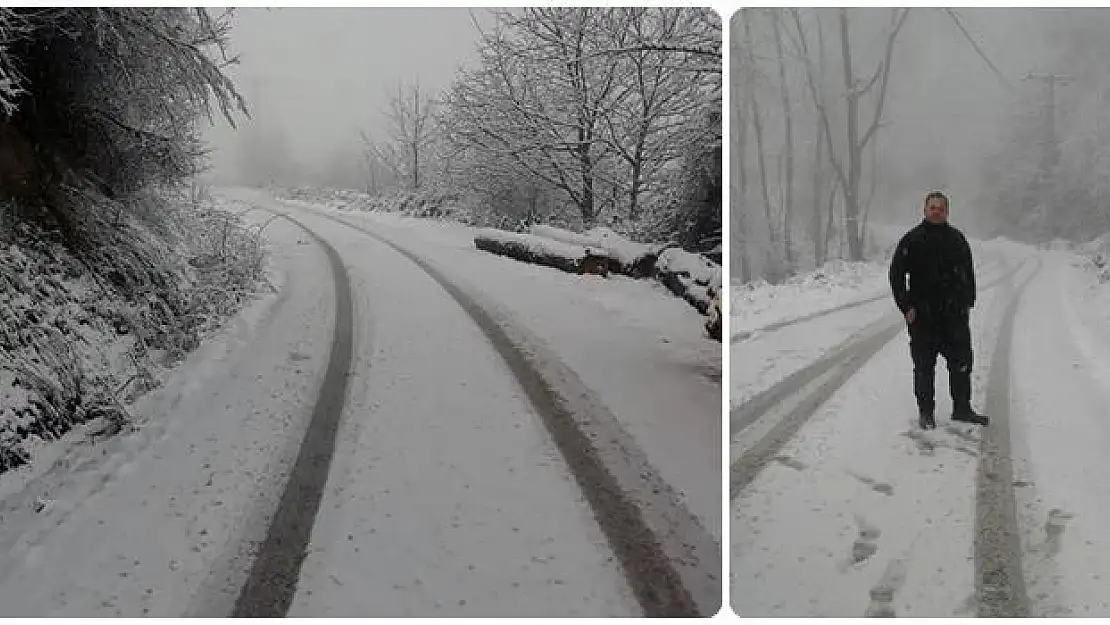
(739, 163)
(788, 136)
(851, 190)
(830, 214)
(818, 187)
(587, 201)
(873, 185)
(416, 138)
(634, 192)
(761, 159)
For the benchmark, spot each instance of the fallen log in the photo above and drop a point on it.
(541, 251)
(627, 257)
(693, 277)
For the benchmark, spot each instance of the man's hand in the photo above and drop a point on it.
(911, 314)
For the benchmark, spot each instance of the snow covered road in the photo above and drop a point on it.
(1061, 431)
(857, 512)
(444, 486)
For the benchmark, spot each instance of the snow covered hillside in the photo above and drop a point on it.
(84, 334)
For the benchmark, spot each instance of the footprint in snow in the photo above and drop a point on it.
(790, 462)
(882, 594)
(925, 446)
(877, 486)
(965, 434)
(1054, 527)
(865, 546)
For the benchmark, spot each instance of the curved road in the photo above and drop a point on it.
(362, 448)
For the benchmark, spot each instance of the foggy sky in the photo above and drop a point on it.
(324, 73)
(946, 106)
(946, 110)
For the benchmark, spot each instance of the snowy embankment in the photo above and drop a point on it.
(690, 276)
(205, 465)
(84, 334)
(693, 277)
(759, 304)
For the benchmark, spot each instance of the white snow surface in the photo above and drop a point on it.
(700, 268)
(757, 304)
(855, 478)
(640, 348)
(135, 525)
(859, 500)
(446, 496)
(1062, 381)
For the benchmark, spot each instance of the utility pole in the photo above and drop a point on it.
(1050, 146)
(1051, 151)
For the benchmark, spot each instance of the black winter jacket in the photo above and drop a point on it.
(938, 260)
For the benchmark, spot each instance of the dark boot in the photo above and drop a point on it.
(926, 420)
(967, 415)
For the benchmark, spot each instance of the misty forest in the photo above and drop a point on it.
(570, 117)
(917, 408)
(843, 119)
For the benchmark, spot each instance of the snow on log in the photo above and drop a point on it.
(626, 257)
(692, 277)
(541, 251)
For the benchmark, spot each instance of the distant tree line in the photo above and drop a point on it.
(582, 116)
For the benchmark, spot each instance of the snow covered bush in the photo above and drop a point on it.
(86, 327)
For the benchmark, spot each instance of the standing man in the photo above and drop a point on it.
(937, 305)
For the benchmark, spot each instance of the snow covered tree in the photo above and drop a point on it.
(651, 129)
(114, 95)
(12, 27)
(537, 99)
(409, 134)
(595, 109)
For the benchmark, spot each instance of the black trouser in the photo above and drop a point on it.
(950, 336)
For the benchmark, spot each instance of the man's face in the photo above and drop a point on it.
(936, 210)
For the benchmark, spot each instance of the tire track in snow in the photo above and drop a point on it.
(672, 564)
(272, 581)
(999, 580)
(812, 386)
